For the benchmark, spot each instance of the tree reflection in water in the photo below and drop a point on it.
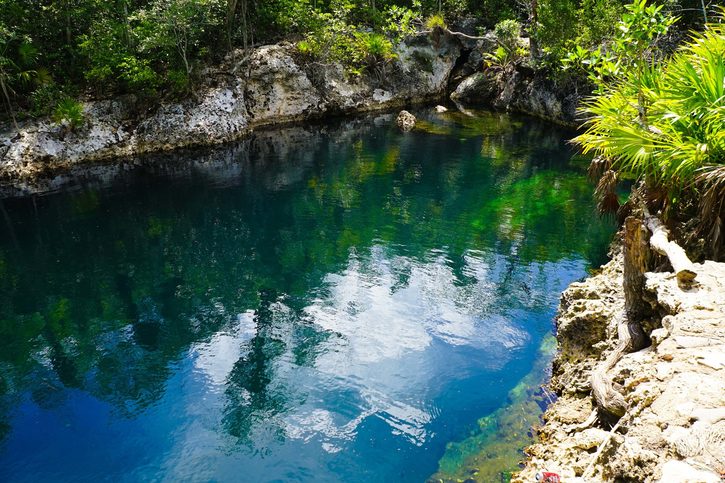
(110, 293)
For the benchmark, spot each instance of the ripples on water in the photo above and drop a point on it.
(329, 304)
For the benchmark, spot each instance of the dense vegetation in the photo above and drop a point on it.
(657, 117)
(661, 122)
(54, 51)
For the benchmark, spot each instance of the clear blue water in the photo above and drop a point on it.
(336, 303)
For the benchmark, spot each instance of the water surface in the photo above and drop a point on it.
(336, 303)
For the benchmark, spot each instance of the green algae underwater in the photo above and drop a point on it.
(337, 302)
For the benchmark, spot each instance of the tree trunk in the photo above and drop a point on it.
(631, 336)
(6, 95)
(127, 27)
(231, 14)
(533, 43)
(637, 261)
(245, 34)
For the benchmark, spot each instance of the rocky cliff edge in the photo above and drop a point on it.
(674, 428)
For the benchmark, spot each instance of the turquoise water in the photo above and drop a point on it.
(336, 303)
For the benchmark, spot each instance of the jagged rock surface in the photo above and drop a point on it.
(268, 86)
(522, 90)
(405, 121)
(674, 429)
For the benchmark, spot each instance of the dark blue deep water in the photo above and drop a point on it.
(333, 303)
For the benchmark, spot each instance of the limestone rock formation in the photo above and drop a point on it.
(522, 90)
(674, 427)
(267, 86)
(405, 121)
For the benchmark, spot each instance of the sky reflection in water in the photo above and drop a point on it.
(328, 304)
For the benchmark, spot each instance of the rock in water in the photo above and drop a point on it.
(440, 109)
(405, 121)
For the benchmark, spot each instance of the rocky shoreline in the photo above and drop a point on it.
(268, 86)
(674, 427)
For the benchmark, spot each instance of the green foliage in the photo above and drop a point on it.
(138, 75)
(662, 121)
(507, 34)
(17, 61)
(639, 30)
(510, 48)
(272, 18)
(307, 48)
(499, 59)
(400, 22)
(557, 24)
(69, 112)
(45, 98)
(597, 21)
(142, 46)
(152, 47)
(564, 23)
(435, 21)
(359, 49)
(374, 48)
(177, 28)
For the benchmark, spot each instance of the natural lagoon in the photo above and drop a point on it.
(342, 302)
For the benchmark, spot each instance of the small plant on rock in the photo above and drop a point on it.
(510, 48)
(69, 112)
(308, 48)
(507, 34)
(435, 21)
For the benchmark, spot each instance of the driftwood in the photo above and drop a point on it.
(683, 267)
(588, 471)
(631, 336)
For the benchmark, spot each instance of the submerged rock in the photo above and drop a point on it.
(405, 121)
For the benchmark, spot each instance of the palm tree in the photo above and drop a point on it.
(663, 124)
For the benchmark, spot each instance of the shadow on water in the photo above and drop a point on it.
(323, 303)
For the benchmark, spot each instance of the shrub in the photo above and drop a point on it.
(507, 34)
(399, 22)
(138, 75)
(338, 41)
(308, 48)
(435, 21)
(374, 48)
(557, 24)
(499, 59)
(639, 30)
(69, 112)
(44, 99)
(178, 81)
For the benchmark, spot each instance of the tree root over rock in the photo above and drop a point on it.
(608, 399)
(631, 336)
